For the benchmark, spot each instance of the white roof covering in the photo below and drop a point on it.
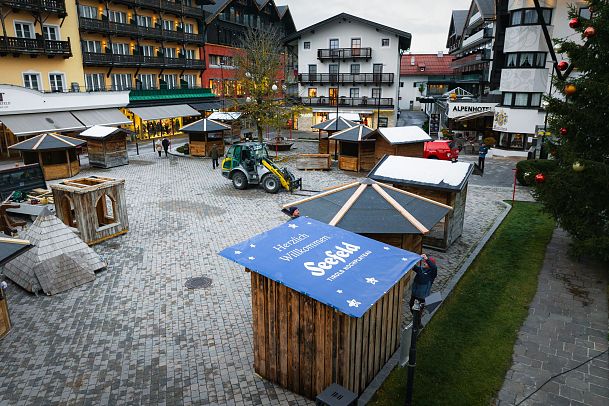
(348, 116)
(423, 171)
(98, 131)
(404, 135)
(225, 115)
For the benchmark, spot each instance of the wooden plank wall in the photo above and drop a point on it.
(304, 345)
(314, 161)
(348, 163)
(60, 171)
(413, 150)
(108, 153)
(203, 149)
(367, 160)
(5, 321)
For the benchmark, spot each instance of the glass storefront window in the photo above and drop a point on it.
(517, 141)
(504, 140)
(521, 99)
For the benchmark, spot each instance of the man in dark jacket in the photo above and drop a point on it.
(425, 275)
(214, 156)
(165, 144)
(482, 151)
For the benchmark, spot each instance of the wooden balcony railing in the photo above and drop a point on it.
(136, 31)
(169, 6)
(49, 6)
(371, 102)
(35, 46)
(344, 53)
(348, 78)
(109, 59)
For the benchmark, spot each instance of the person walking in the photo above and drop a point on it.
(158, 147)
(425, 274)
(165, 144)
(214, 156)
(482, 151)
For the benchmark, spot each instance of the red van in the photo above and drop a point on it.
(440, 149)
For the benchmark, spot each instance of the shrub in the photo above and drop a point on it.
(183, 149)
(490, 141)
(526, 170)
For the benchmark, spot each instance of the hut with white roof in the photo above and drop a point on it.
(230, 118)
(107, 146)
(442, 181)
(401, 141)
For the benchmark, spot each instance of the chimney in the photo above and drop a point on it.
(412, 60)
(440, 54)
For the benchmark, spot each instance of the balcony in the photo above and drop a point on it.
(50, 6)
(169, 6)
(35, 47)
(347, 78)
(344, 54)
(361, 102)
(136, 31)
(109, 59)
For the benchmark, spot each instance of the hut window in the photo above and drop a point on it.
(69, 214)
(106, 210)
(349, 148)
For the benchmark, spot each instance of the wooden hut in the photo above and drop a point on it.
(326, 129)
(107, 146)
(377, 211)
(313, 326)
(57, 154)
(203, 135)
(94, 205)
(230, 118)
(9, 248)
(401, 141)
(442, 181)
(355, 152)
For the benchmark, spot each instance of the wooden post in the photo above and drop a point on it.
(69, 166)
(44, 172)
(8, 154)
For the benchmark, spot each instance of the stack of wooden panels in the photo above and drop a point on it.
(315, 162)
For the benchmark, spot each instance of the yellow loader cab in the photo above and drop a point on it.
(248, 163)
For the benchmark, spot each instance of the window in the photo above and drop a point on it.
(169, 52)
(376, 93)
(334, 43)
(170, 81)
(147, 50)
(189, 28)
(512, 60)
(190, 54)
(121, 81)
(383, 122)
(511, 99)
(106, 210)
(51, 32)
(401, 84)
(333, 69)
(355, 69)
(528, 16)
(57, 82)
(385, 42)
(144, 21)
(168, 25)
(95, 82)
(120, 49)
(312, 69)
(354, 92)
(306, 45)
(24, 30)
(190, 81)
(31, 81)
(356, 43)
(117, 17)
(584, 12)
(92, 46)
(526, 60)
(312, 92)
(147, 80)
(88, 11)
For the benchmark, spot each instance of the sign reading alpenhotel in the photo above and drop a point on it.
(463, 109)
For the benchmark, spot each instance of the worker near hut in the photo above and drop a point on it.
(292, 211)
(165, 144)
(426, 272)
(214, 156)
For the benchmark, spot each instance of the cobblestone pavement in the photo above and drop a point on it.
(566, 326)
(136, 335)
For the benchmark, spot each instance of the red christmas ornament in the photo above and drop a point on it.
(563, 131)
(589, 32)
(540, 178)
(562, 65)
(574, 22)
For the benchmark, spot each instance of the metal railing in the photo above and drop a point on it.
(168, 6)
(348, 101)
(344, 53)
(347, 78)
(109, 59)
(51, 6)
(35, 46)
(133, 30)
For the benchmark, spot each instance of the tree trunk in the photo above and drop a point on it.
(260, 132)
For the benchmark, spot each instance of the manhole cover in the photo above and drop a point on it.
(199, 282)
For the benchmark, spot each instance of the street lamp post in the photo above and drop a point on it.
(412, 355)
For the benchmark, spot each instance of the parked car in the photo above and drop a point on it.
(441, 149)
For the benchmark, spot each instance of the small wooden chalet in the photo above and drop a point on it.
(203, 135)
(107, 146)
(326, 129)
(230, 118)
(402, 141)
(376, 210)
(442, 181)
(355, 151)
(95, 206)
(57, 154)
(323, 324)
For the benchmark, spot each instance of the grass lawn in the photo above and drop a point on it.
(464, 353)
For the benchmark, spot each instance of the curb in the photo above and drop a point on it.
(376, 383)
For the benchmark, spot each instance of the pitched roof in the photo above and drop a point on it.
(433, 65)
(353, 134)
(215, 9)
(59, 260)
(487, 8)
(11, 248)
(282, 10)
(401, 135)
(101, 131)
(47, 142)
(333, 125)
(458, 20)
(368, 207)
(204, 126)
(428, 173)
(404, 36)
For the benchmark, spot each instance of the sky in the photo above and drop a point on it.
(427, 20)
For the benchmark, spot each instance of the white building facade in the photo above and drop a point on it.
(350, 65)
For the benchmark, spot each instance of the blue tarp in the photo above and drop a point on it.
(336, 267)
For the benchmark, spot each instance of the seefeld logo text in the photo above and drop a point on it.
(332, 258)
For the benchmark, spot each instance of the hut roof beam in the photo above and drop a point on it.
(404, 192)
(329, 192)
(341, 213)
(400, 209)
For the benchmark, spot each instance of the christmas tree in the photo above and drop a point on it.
(577, 193)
